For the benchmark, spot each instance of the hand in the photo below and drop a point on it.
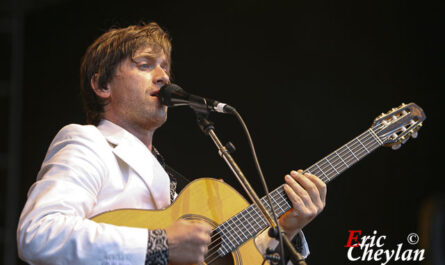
(308, 196)
(187, 242)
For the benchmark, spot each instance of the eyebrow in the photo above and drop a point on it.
(145, 55)
(151, 56)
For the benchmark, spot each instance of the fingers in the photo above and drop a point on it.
(320, 185)
(203, 236)
(306, 189)
(202, 232)
(188, 241)
(295, 192)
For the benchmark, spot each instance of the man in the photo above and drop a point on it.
(109, 165)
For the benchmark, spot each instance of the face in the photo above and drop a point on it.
(133, 103)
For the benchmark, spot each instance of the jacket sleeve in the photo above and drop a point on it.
(54, 227)
(263, 242)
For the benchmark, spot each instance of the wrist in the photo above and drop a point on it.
(157, 247)
(290, 233)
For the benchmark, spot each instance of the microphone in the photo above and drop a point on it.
(173, 95)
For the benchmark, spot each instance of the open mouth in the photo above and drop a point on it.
(154, 93)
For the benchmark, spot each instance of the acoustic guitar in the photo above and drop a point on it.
(235, 222)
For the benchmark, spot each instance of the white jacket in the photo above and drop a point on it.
(89, 170)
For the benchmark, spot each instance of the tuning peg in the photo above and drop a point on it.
(414, 135)
(404, 139)
(396, 146)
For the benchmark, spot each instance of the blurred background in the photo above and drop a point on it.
(307, 76)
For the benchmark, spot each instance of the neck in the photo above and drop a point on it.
(250, 221)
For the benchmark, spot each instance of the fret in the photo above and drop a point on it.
(249, 224)
(285, 200)
(227, 243)
(259, 217)
(266, 205)
(331, 164)
(321, 170)
(254, 219)
(265, 201)
(341, 163)
(336, 164)
(240, 223)
(230, 228)
(223, 248)
(232, 236)
(284, 204)
(361, 152)
(351, 152)
(341, 159)
(282, 195)
(358, 139)
(277, 204)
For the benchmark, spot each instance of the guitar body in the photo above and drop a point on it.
(206, 200)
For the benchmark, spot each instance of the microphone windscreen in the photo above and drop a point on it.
(171, 91)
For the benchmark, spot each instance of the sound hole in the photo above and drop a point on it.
(212, 257)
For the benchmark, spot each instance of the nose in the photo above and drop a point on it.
(160, 77)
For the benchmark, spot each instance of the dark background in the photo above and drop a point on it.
(307, 76)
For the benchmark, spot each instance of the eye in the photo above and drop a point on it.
(144, 66)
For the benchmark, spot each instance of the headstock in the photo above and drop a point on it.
(395, 127)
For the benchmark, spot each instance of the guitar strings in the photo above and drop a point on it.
(350, 159)
(325, 165)
(327, 172)
(337, 161)
(280, 204)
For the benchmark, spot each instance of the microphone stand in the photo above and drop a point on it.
(207, 127)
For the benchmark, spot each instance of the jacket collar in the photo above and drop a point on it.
(133, 152)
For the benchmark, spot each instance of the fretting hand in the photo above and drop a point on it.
(308, 196)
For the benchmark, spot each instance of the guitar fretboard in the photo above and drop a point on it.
(246, 224)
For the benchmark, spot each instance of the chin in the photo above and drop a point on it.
(159, 120)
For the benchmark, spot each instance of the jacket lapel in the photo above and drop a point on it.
(134, 153)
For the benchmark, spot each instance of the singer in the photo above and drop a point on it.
(111, 164)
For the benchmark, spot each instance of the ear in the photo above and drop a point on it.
(102, 92)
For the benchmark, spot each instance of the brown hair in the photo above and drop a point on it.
(107, 52)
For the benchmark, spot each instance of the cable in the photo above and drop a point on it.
(263, 180)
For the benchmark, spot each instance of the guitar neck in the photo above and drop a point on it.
(250, 221)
